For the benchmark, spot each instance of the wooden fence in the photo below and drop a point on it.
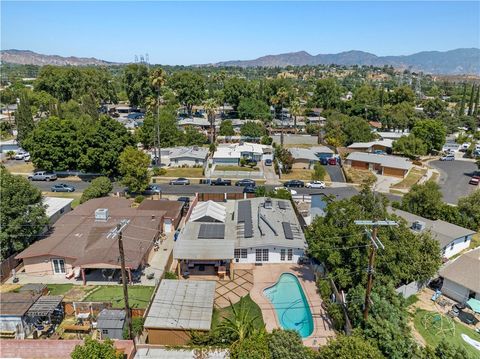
(75, 308)
(6, 267)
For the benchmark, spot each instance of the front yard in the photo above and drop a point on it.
(235, 168)
(412, 178)
(355, 175)
(188, 172)
(303, 175)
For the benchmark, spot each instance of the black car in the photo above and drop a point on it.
(249, 189)
(245, 183)
(324, 161)
(294, 183)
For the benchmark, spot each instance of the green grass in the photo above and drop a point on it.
(434, 337)
(138, 296)
(184, 172)
(411, 300)
(235, 168)
(59, 289)
(412, 178)
(253, 308)
(475, 242)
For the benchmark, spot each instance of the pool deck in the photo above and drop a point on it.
(267, 275)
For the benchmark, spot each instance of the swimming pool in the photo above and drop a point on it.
(291, 305)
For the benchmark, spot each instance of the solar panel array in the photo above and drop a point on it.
(287, 230)
(211, 231)
(245, 216)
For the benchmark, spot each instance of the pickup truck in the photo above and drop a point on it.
(43, 176)
(221, 182)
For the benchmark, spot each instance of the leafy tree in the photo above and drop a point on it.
(170, 135)
(100, 187)
(287, 344)
(226, 128)
(252, 129)
(235, 89)
(349, 347)
(318, 172)
(253, 347)
(461, 108)
(94, 349)
(327, 93)
(445, 350)
(192, 137)
(137, 322)
(133, 166)
(296, 109)
(356, 129)
(402, 94)
(399, 116)
(266, 140)
(24, 118)
(433, 108)
(189, 88)
(240, 325)
(431, 132)
(410, 146)
(89, 106)
(286, 159)
(137, 84)
(424, 200)
(253, 109)
(469, 209)
(22, 214)
(471, 101)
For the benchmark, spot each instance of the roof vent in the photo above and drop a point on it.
(268, 203)
(418, 226)
(101, 215)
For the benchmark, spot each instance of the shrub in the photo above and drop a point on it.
(170, 275)
(318, 172)
(139, 198)
(158, 171)
(100, 187)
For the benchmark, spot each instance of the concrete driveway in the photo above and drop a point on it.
(454, 177)
(335, 173)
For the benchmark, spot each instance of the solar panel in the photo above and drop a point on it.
(287, 230)
(282, 205)
(211, 231)
(245, 216)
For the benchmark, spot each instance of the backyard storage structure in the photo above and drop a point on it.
(111, 323)
(179, 306)
(14, 323)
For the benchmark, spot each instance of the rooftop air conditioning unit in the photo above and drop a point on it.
(418, 226)
(268, 203)
(101, 215)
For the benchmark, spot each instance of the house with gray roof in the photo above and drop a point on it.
(184, 156)
(303, 158)
(452, 238)
(111, 323)
(385, 165)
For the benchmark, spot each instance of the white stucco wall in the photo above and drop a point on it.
(455, 291)
(273, 255)
(459, 245)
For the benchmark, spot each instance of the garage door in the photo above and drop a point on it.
(395, 172)
(360, 164)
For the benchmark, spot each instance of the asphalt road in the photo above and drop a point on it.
(454, 177)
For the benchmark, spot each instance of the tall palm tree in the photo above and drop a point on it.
(157, 80)
(240, 324)
(296, 109)
(279, 99)
(210, 106)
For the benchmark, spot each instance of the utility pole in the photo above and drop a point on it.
(117, 232)
(371, 258)
(283, 126)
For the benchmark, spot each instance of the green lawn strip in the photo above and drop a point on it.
(138, 295)
(59, 289)
(412, 178)
(235, 168)
(184, 172)
(434, 336)
(253, 308)
(411, 300)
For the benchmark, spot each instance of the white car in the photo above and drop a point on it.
(316, 184)
(20, 155)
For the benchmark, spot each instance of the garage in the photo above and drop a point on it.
(394, 172)
(360, 165)
(386, 165)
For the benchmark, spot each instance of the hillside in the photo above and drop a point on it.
(26, 57)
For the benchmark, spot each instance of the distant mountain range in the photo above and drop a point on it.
(459, 61)
(453, 62)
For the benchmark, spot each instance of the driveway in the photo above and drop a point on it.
(454, 177)
(335, 173)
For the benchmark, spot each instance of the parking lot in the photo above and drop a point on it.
(454, 177)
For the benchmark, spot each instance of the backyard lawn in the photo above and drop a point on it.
(253, 308)
(235, 168)
(412, 178)
(435, 332)
(138, 296)
(59, 289)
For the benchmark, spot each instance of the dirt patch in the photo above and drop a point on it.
(4, 288)
(77, 293)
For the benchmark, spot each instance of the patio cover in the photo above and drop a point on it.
(474, 304)
(45, 306)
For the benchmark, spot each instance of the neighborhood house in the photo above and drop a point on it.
(382, 164)
(231, 154)
(303, 158)
(184, 156)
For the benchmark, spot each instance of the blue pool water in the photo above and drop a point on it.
(291, 305)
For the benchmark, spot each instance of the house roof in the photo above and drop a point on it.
(464, 270)
(111, 318)
(235, 150)
(444, 232)
(322, 149)
(386, 143)
(208, 209)
(55, 204)
(182, 304)
(172, 209)
(194, 152)
(80, 236)
(383, 160)
(303, 154)
(391, 135)
(45, 305)
(16, 304)
(375, 124)
(196, 121)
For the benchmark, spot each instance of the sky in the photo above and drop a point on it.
(184, 33)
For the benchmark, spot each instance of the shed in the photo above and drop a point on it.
(13, 321)
(111, 323)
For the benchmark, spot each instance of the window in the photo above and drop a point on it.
(244, 253)
(290, 254)
(104, 331)
(236, 253)
(265, 255)
(282, 254)
(58, 266)
(258, 255)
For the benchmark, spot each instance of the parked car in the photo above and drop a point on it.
(245, 182)
(324, 161)
(185, 200)
(62, 187)
(315, 184)
(268, 162)
(180, 181)
(332, 161)
(221, 182)
(149, 191)
(43, 176)
(294, 183)
(20, 155)
(27, 157)
(249, 189)
(449, 157)
(475, 180)
(379, 152)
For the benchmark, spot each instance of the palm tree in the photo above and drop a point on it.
(279, 99)
(240, 324)
(157, 80)
(295, 110)
(210, 106)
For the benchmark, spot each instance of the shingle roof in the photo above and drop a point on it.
(464, 270)
(188, 152)
(111, 318)
(172, 209)
(383, 160)
(16, 304)
(303, 154)
(182, 304)
(78, 235)
(385, 143)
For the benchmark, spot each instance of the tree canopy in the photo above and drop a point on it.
(252, 129)
(133, 167)
(189, 88)
(99, 187)
(431, 132)
(94, 349)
